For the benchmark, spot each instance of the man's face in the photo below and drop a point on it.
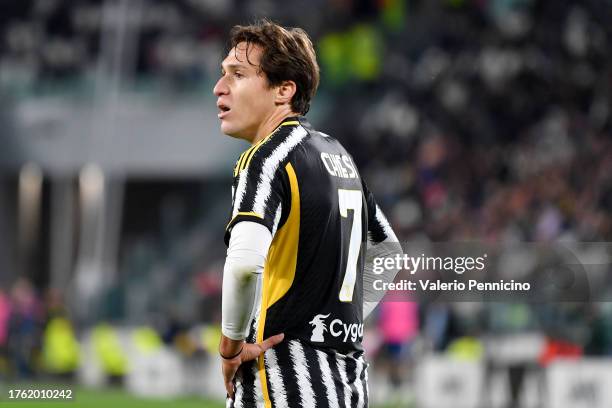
(243, 96)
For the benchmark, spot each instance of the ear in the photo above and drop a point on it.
(284, 92)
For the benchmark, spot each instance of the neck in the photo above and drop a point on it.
(271, 123)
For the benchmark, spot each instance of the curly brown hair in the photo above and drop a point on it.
(288, 55)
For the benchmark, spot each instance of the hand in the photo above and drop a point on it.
(249, 352)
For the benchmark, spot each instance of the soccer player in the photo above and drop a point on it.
(301, 236)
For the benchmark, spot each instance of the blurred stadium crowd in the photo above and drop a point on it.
(471, 120)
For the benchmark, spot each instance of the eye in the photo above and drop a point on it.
(238, 75)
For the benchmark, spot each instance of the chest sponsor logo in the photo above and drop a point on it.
(337, 328)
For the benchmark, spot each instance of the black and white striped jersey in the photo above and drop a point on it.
(305, 188)
(300, 376)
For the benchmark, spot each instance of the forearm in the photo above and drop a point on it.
(242, 279)
(229, 347)
(386, 249)
(241, 282)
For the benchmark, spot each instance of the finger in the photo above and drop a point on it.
(229, 387)
(228, 377)
(271, 341)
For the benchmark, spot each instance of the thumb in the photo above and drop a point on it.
(271, 341)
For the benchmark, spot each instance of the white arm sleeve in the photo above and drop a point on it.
(390, 247)
(246, 256)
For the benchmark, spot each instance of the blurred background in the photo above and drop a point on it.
(471, 120)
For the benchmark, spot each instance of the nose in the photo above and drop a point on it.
(221, 87)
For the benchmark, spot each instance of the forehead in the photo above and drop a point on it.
(243, 54)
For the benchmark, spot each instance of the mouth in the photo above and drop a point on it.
(223, 110)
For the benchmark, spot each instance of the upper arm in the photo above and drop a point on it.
(379, 229)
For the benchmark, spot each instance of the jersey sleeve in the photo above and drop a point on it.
(382, 243)
(379, 229)
(259, 191)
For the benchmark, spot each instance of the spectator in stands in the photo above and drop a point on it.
(5, 314)
(398, 323)
(24, 328)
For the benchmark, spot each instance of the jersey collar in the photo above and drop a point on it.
(299, 119)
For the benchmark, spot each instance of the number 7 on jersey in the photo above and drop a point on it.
(351, 200)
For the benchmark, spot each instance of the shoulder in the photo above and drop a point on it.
(273, 151)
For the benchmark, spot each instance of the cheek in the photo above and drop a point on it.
(252, 101)
(264, 99)
(245, 98)
(255, 103)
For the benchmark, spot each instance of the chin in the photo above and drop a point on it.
(227, 129)
(232, 131)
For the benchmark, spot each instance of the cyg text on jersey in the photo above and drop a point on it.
(337, 328)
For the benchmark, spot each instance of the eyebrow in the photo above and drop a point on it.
(232, 66)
